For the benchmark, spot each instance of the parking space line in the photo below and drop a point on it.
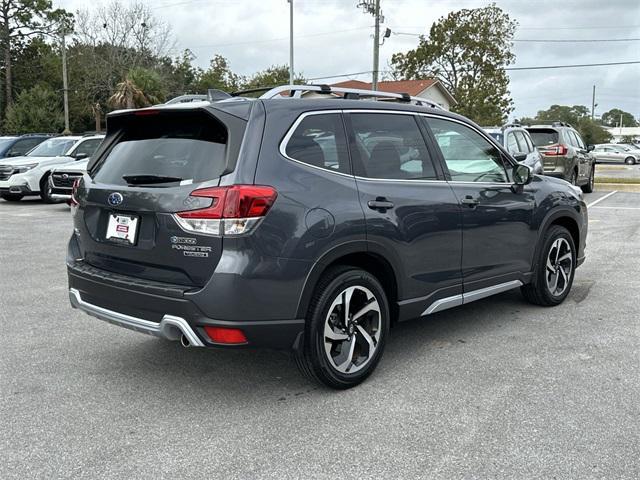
(601, 199)
(618, 208)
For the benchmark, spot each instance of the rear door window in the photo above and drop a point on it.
(543, 137)
(184, 148)
(389, 146)
(319, 141)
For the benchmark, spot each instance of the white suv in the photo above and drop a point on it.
(29, 175)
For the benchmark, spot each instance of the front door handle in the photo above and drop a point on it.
(380, 203)
(470, 202)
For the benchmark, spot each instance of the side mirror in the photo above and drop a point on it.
(590, 148)
(522, 175)
(81, 156)
(520, 156)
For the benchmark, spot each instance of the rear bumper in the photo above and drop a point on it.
(163, 310)
(169, 327)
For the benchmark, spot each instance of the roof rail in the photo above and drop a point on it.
(38, 134)
(296, 91)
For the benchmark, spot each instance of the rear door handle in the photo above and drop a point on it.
(380, 203)
(470, 201)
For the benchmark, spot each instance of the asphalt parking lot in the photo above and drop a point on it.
(495, 389)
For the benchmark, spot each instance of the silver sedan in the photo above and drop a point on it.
(616, 154)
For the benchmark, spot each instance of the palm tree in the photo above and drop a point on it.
(128, 95)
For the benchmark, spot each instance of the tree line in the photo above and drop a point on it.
(121, 56)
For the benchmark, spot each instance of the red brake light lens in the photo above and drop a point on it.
(228, 336)
(234, 210)
(237, 201)
(554, 150)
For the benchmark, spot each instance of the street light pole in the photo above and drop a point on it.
(65, 85)
(290, 42)
(593, 103)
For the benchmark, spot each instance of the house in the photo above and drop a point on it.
(620, 134)
(429, 89)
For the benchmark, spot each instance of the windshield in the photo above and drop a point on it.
(53, 147)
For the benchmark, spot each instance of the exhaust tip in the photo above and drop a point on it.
(184, 341)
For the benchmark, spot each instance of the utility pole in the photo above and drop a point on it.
(593, 103)
(376, 47)
(65, 85)
(620, 124)
(290, 42)
(372, 7)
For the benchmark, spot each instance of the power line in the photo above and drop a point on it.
(543, 67)
(546, 67)
(541, 40)
(577, 41)
(278, 39)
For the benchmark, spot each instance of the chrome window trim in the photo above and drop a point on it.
(302, 116)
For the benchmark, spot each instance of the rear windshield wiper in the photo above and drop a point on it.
(149, 179)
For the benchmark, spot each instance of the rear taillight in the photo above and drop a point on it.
(234, 210)
(554, 150)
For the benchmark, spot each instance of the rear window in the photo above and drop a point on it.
(191, 148)
(543, 137)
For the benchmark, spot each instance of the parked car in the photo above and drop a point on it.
(228, 224)
(18, 146)
(564, 154)
(616, 153)
(62, 178)
(518, 143)
(29, 174)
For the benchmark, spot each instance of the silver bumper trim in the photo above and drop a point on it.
(170, 327)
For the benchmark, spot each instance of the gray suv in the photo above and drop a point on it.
(313, 225)
(519, 144)
(565, 155)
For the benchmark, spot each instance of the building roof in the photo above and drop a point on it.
(624, 131)
(412, 87)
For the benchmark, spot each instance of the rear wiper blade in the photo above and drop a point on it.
(149, 179)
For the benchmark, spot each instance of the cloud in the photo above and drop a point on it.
(334, 37)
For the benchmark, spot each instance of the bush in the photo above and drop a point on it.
(37, 109)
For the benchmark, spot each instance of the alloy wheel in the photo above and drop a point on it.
(352, 329)
(559, 267)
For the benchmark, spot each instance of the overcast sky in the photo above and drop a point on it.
(333, 37)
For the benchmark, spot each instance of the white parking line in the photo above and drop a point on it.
(618, 208)
(601, 199)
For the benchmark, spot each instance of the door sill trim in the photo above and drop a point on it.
(468, 297)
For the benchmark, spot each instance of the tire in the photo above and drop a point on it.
(588, 187)
(45, 190)
(12, 197)
(573, 178)
(630, 161)
(540, 291)
(321, 358)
